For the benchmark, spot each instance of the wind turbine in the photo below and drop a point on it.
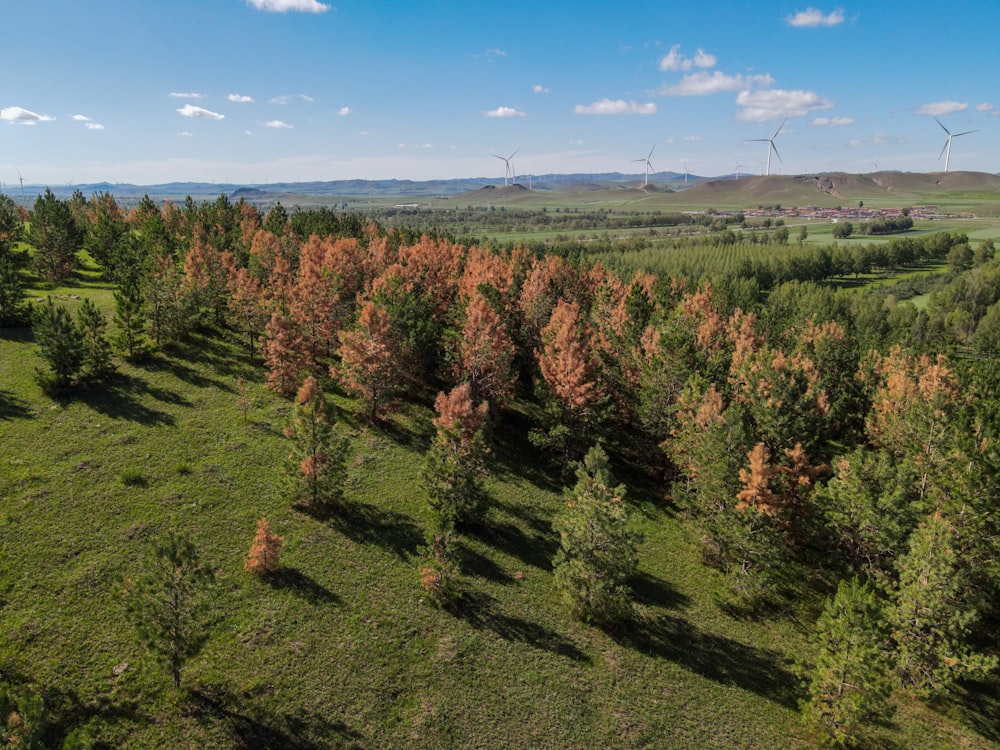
(648, 165)
(946, 149)
(508, 172)
(738, 168)
(684, 162)
(771, 147)
(21, 180)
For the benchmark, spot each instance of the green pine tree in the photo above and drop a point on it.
(60, 343)
(597, 553)
(97, 363)
(849, 684)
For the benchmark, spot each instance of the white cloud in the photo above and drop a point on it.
(833, 122)
(942, 108)
(22, 116)
(189, 110)
(984, 107)
(185, 134)
(504, 112)
(344, 111)
(186, 95)
(80, 118)
(240, 98)
(286, 98)
(426, 145)
(811, 18)
(93, 126)
(771, 104)
(674, 60)
(284, 6)
(277, 124)
(704, 83)
(364, 133)
(616, 107)
(540, 89)
(247, 132)
(490, 53)
(691, 138)
(879, 139)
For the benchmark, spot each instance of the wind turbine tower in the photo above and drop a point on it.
(771, 147)
(946, 149)
(508, 173)
(738, 168)
(648, 165)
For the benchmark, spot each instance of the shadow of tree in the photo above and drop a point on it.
(366, 524)
(481, 612)
(302, 585)
(714, 657)
(475, 564)
(979, 706)
(11, 407)
(513, 456)
(248, 729)
(174, 366)
(536, 550)
(655, 592)
(118, 398)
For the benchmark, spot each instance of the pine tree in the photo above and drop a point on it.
(12, 307)
(930, 617)
(370, 358)
(597, 550)
(61, 346)
(56, 236)
(849, 684)
(486, 354)
(318, 459)
(97, 363)
(454, 462)
(168, 603)
(264, 556)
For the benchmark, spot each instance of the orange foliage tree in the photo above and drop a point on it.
(264, 556)
(370, 358)
(486, 354)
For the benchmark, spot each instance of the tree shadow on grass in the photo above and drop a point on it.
(302, 585)
(655, 592)
(11, 407)
(249, 729)
(119, 398)
(514, 456)
(481, 612)
(714, 657)
(536, 550)
(174, 366)
(366, 524)
(979, 706)
(475, 564)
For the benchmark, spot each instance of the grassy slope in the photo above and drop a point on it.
(341, 651)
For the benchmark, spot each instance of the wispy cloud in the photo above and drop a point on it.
(186, 95)
(22, 116)
(703, 83)
(286, 98)
(833, 122)
(492, 54)
(615, 107)
(942, 108)
(692, 138)
(984, 107)
(674, 60)
(277, 124)
(879, 139)
(344, 111)
(190, 110)
(185, 134)
(771, 104)
(284, 6)
(539, 89)
(87, 122)
(504, 112)
(240, 98)
(812, 18)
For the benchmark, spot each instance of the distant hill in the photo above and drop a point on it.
(665, 189)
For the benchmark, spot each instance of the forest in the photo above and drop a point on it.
(728, 465)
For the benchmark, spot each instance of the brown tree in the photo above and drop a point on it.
(370, 358)
(486, 354)
(264, 556)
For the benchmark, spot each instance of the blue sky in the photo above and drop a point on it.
(254, 91)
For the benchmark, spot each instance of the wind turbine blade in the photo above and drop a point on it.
(651, 152)
(757, 140)
(965, 133)
(514, 154)
(942, 126)
(776, 152)
(779, 128)
(501, 158)
(650, 166)
(944, 147)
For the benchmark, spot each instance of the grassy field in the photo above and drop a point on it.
(339, 650)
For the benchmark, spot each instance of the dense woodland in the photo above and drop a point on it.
(806, 431)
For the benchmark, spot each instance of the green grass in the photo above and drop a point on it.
(339, 650)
